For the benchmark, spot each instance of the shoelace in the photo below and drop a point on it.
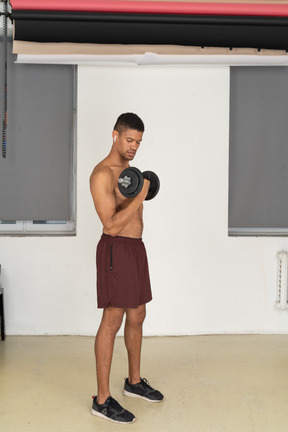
(146, 383)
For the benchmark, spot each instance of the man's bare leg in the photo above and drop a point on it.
(133, 341)
(104, 344)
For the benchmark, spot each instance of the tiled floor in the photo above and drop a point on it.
(211, 384)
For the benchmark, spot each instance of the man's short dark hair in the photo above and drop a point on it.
(129, 121)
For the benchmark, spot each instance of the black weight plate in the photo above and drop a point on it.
(136, 185)
(154, 184)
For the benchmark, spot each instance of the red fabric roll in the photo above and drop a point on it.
(150, 7)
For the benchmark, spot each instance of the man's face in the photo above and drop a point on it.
(128, 143)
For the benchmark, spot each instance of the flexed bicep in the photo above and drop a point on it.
(102, 190)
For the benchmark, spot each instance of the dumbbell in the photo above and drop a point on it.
(131, 181)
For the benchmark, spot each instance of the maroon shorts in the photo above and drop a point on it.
(122, 273)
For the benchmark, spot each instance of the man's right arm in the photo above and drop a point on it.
(102, 190)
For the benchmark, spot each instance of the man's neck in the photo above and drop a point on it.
(115, 159)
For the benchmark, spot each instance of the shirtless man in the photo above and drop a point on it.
(123, 284)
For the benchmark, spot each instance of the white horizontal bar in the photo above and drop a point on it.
(155, 59)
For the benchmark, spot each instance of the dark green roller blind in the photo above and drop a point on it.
(36, 176)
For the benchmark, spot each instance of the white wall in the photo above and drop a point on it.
(202, 281)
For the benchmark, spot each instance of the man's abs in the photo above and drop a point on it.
(134, 228)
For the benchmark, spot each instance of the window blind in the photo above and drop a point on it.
(36, 176)
(258, 166)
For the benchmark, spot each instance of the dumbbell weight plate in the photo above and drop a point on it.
(136, 182)
(154, 184)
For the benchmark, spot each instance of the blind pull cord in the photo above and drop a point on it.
(5, 15)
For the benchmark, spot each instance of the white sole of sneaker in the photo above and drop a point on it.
(96, 413)
(126, 393)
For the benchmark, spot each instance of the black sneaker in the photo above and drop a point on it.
(112, 410)
(142, 390)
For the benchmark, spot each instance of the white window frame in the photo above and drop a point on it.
(38, 228)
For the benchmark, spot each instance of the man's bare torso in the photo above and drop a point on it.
(134, 227)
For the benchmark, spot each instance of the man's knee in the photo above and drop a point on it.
(136, 317)
(112, 319)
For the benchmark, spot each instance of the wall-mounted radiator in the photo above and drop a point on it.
(282, 283)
